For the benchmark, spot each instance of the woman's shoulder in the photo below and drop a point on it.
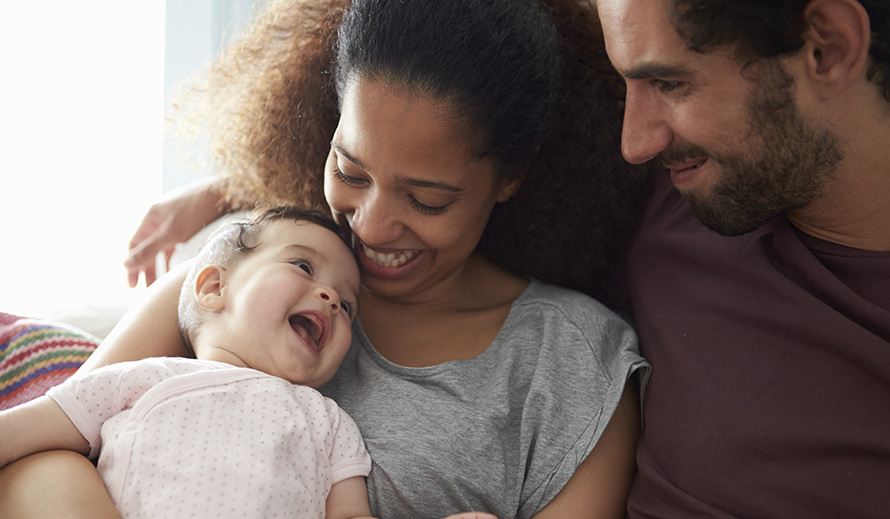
(570, 304)
(558, 319)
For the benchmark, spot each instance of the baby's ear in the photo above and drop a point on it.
(208, 287)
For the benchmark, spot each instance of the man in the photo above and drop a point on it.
(760, 281)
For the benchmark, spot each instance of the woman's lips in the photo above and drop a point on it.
(390, 264)
(388, 259)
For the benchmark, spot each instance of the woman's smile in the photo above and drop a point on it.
(388, 259)
(390, 264)
(402, 176)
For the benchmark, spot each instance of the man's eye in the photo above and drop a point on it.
(667, 86)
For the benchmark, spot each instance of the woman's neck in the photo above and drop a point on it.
(455, 322)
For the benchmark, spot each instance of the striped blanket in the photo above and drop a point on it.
(36, 355)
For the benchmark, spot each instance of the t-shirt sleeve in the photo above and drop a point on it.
(587, 355)
(349, 457)
(92, 398)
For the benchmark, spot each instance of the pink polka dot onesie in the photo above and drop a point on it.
(191, 438)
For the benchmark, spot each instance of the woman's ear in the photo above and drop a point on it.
(837, 40)
(209, 287)
(508, 189)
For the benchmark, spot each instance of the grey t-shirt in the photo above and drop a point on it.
(502, 432)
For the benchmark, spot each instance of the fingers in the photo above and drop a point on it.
(149, 269)
(142, 259)
(132, 277)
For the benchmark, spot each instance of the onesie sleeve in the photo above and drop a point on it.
(349, 457)
(92, 398)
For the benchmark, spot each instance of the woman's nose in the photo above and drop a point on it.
(645, 133)
(376, 220)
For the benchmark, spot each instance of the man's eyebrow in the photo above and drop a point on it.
(657, 70)
(402, 179)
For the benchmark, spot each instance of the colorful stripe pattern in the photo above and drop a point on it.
(36, 355)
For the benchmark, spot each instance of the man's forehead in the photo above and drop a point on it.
(639, 36)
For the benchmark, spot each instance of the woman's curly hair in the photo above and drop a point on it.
(269, 105)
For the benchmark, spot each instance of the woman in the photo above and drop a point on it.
(472, 149)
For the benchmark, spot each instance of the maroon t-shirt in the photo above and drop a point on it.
(770, 386)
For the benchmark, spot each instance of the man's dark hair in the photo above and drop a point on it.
(772, 28)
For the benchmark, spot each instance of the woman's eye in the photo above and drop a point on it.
(427, 209)
(346, 179)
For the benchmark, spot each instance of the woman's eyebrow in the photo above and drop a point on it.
(402, 179)
(429, 183)
(346, 154)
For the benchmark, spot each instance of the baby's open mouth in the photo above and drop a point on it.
(309, 329)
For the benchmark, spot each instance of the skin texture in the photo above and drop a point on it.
(749, 142)
(405, 182)
(459, 296)
(298, 269)
(754, 157)
(449, 291)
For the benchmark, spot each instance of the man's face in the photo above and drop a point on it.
(735, 142)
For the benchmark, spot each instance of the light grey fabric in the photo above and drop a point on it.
(502, 432)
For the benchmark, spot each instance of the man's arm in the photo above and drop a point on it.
(37, 426)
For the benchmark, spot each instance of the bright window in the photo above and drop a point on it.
(81, 98)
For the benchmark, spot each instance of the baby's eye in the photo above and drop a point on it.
(303, 264)
(347, 307)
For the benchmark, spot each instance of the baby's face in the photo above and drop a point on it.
(290, 304)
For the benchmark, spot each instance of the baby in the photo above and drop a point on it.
(239, 431)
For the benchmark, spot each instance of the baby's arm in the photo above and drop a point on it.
(348, 500)
(37, 426)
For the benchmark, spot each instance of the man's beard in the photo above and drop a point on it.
(786, 165)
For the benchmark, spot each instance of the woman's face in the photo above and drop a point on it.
(400, 173)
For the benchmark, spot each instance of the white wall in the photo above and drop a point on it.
(196, 30)
(82, 97)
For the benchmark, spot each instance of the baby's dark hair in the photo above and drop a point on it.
(231, 244)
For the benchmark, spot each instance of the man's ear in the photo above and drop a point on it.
(209, 287)
(837, 40)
